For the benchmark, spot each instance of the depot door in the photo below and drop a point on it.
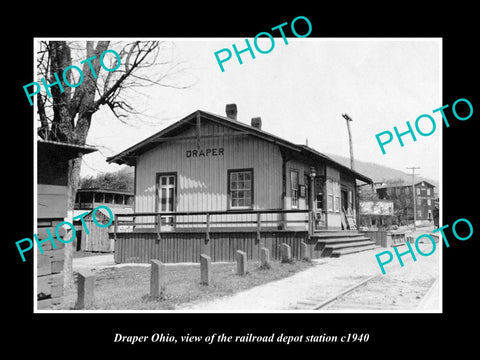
(319, 203)
(166, 198)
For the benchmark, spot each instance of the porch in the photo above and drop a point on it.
(182, 236)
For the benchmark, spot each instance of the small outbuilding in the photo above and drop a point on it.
(376, 214)
(52, 172)
(97, 239)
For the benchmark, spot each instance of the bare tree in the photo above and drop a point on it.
(66, 115)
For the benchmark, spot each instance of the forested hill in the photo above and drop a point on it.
(380, 173)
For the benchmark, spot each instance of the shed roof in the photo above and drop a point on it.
(68, 151)
(108, 191)
(129, 155)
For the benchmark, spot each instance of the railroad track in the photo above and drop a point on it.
(345, 299)
(317, 304)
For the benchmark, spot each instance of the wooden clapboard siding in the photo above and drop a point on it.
(50, 267)
(175, 247)
(97, 239)
(202, 181)
(51, 201)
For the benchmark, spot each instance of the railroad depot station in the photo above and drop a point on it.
(211, 184)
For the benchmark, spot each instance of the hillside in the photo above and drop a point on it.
(380, 173)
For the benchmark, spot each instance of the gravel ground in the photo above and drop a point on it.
(401, 288)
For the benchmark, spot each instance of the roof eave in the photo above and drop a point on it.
(324, 157)
(133, 151)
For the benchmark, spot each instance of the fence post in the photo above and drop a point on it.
(205, 269)
(85, 289)
(304, 251)
(241, 262)
(264, 258)
(157, 278)
(286, 253)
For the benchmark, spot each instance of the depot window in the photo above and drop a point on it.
(240, 189)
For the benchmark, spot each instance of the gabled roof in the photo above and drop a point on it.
(126, 156)
(129, 155)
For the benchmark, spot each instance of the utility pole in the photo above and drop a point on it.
(348, 119)
(414, 200)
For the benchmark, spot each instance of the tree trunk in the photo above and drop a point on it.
(74, 166)
(82, 103)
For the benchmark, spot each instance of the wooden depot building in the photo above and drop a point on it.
(212, 184)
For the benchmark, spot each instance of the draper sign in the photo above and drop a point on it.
(248, 48)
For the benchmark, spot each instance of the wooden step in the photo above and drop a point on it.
(322, 243)
(328, 250)
(337, 243)
(343, 239)
(336, 233)
(350, 244)
(351, 250)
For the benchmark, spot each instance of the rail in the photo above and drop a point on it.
(208, 221)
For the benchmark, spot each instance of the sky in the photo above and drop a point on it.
(300, 91)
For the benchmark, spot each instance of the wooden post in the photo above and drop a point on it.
(241, 262)
(208, 227)
(85, 289)
(157, 278)
(350, 141)
(304, 251)
(159, 226)
(310, 222)
(311, 201)
(205, 269)
(258, 225)
(286, 253)
(115, 227)
(264, 258)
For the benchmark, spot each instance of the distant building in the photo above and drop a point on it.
(89, 199)
(376, 214)
(402, 196)
(118, 201)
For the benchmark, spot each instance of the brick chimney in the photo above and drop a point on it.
(231, 110)
(257, 123)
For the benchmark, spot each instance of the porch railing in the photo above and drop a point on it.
(211, 221)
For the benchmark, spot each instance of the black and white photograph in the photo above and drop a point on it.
(271, 181)
(248, 189)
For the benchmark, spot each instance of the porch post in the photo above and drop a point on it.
(312, 199)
